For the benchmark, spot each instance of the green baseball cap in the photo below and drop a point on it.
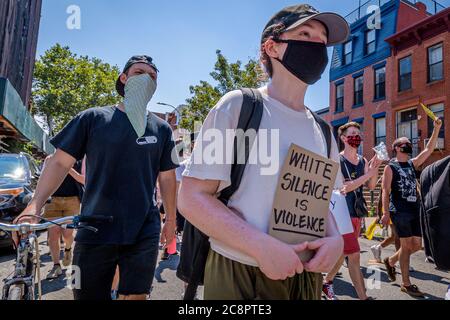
(293, 16)
(120, 87)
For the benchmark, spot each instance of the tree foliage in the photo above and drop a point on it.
(228, 77)
(65, 84)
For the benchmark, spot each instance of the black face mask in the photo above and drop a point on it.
(305, 60)
(407, 148)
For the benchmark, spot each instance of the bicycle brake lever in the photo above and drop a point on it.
(95, 230)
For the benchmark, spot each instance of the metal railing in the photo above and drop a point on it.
(433, 7)
(362, 9)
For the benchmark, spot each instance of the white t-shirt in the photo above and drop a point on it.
(179, 171)
(254, 199)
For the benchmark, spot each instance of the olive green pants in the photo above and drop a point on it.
(226, 279)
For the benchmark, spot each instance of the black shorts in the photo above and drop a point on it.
(407, 225)
(97, 265)
(180, 222)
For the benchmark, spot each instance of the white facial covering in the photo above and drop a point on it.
(139, 91)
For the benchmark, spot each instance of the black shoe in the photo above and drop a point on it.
(390, 270)
(412, 290)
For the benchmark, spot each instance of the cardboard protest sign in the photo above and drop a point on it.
(302, 199)
(339, 209)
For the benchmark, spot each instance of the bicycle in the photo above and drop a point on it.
(21, 285)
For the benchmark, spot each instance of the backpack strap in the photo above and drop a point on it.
(326, 130)
(249, 118)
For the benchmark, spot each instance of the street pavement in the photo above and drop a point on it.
(166, 286)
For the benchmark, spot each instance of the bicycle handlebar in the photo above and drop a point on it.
(35, 227)
(55, 223)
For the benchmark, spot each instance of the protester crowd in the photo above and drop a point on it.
(122, 161)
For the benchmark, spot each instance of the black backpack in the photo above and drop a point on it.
(435, 212)
(195, 245)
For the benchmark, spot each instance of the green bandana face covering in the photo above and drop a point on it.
(139, 91)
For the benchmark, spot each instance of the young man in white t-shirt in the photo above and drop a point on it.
(244, 261)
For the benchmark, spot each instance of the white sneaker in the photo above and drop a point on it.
(447, 296)
(376, 251)
(55, 272)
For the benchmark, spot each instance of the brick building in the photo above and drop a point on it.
(420, 59)
(364, 71)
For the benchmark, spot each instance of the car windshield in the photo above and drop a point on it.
(12, 168)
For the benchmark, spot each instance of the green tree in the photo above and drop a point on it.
(65, 84)
(228, 77)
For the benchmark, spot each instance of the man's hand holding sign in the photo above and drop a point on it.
(301, 208)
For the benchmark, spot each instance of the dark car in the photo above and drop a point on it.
(18, 177)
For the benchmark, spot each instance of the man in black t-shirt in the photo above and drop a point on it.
(127, 149)
(401, 204)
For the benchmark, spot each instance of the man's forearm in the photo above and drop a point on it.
(78, 177)
(212, 217)
(431, 145)
(372, 183)
(428, 151)
(386, 201)
(168, 189)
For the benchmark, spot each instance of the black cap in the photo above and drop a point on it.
(293, 16)
(120, 87)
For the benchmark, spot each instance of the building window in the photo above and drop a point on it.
(438, 110)
(380, 130)
(348, 53)
(359, 91)
(340, 98)
(370, 41)
(380, 83)
(361, 147)
(407, 127)
(405, 74)
(435, 63)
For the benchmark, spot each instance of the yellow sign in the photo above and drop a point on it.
(429, 112)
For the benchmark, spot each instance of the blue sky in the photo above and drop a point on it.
(181, 35)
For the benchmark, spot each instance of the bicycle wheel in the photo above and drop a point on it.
(15, 292)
